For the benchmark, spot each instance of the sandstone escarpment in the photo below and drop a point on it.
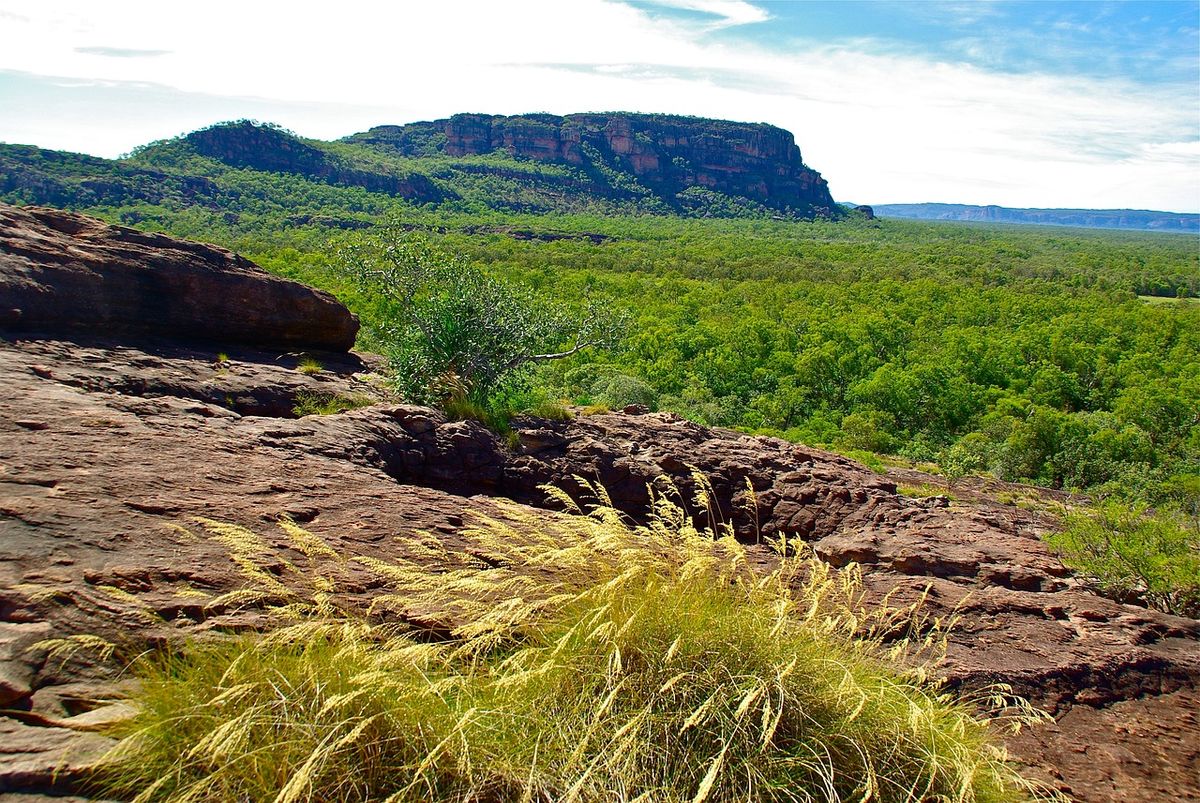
(665, 153)
(112, 444)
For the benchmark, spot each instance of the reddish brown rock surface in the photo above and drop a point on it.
(108, 447)
(61, 271)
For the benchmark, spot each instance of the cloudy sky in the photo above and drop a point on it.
(1043, 104)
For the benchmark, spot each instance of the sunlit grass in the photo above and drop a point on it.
(318, 403)
(573, 657)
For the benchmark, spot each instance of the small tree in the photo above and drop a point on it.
(451, 331)
(1133, 551)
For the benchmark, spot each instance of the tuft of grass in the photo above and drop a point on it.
(868, 459)
(309, 366)
(551, 411)
(587, 659)
(316, 403)
(461, 408)
(923, 490)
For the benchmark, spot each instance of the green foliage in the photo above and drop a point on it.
(620, 390)
(452, 331)
(969, 455)
(869, 430)
(868, 459)
(586, 660)
(310, 366)
(1060, 355)
(606, 385)
(317, 403)
(1136, 553)
(550, 411)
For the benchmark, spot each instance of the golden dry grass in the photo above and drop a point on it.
(588, 659)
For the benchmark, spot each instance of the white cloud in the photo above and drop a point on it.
(728, 12)
(882, 127)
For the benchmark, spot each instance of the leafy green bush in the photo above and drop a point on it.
(586, 660)
(1135, 553)
(868, 459)
(969, 455)
(580, 382)
(452, 330)
(869, 430)
(619, 390)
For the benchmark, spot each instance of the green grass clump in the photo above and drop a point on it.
(315, 403)
(1135, 553)
(551, 411)
(868, 459)
(309, 366)
(580, 658)
(923, 490)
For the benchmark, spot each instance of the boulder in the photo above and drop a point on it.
(61, 271)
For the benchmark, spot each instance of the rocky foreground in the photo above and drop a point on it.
(151, 381)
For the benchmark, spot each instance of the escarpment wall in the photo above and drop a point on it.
(666, 153)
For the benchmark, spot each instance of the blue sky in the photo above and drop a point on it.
(1048, 104)
(1151, 42)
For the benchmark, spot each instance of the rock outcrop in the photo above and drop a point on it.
(62, 271)
(667, 154)
(111, 446)
(271, 149)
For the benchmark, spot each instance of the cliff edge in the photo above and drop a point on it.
(668, 154)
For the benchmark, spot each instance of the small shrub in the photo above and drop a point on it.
(442, 316)
(587, 659)
(968, 455)
(580, 382)
(1134, 553)
(497, 418)
(869, 430)
(550, 411)
(618, 391)
(923, 490)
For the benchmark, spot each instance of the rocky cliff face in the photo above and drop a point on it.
(111, 445)
(665, 153)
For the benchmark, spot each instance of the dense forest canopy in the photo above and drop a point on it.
(1067, 357)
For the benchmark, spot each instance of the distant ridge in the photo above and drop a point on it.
(1131, 219)
(607, 163)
